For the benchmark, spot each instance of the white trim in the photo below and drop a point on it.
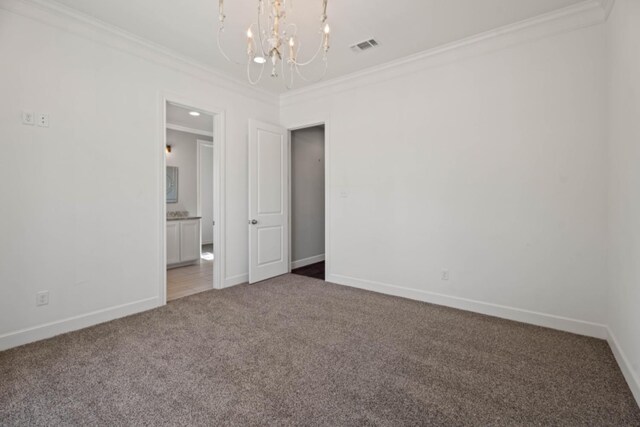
(48, 330)
(633, 380)
(219, 187)
(307, 261)
(323, 120)
(575, 326)
(200, 144)
(289, 183)
(236, 280)
(181, 128)
(579, 15)
(88, 27)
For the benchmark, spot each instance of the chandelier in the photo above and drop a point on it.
(273, 42)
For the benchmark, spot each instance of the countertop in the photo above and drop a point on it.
(183, 218)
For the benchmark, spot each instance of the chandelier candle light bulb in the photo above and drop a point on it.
(250, 51)
(273, 31)
(292, 57)
(327, 30)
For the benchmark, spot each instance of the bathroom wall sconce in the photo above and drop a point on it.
(168, 148)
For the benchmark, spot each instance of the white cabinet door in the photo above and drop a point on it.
(268, 202)
(173, 242)
(189, 240)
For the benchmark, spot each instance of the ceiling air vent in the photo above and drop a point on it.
(364, 45)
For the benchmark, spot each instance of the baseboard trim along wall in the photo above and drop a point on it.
(625, 366)
(48, 330)
(519, 315)
(307, 261)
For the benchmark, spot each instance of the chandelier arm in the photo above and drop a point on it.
(313, 58)
(254, 82)
(324, 73)
(264, 54)
(288, 86)
(220, 31)
(295, 28)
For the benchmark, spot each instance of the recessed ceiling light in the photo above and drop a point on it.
(259, 60)
(194, 113)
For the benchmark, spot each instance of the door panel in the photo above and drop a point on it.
(268, 217)
(270, 245)
(269, 165)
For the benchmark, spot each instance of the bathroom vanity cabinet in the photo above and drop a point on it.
(183, 241)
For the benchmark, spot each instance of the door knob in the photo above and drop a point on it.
(253, 222)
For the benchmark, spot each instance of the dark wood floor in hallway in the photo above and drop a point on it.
(317, 270)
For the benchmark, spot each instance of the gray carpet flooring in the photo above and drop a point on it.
(297, 351)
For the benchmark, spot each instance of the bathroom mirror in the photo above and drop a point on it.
(172, 184)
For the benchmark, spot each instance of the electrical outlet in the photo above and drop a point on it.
(42, 120)
(28, 118)
(445, 275)
(42, 298)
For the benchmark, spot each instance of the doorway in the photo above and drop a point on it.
(308, 201)
(190, 200)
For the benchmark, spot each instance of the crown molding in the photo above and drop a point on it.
(580, 15)
(584, 14)
(54, 14)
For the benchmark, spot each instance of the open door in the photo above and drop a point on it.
(268, 202)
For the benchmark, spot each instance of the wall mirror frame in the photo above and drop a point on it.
(172, 184)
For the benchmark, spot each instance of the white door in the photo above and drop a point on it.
(268, 205)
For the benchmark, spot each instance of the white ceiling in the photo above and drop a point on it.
(403, 27)
(177, 115)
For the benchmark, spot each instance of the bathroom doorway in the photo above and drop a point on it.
(192, 198)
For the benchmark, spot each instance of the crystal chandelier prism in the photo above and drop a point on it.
(273, 42)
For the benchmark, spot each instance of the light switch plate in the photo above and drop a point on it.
(28, 118)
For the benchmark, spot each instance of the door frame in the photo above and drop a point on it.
(219, 185)
(326, 122)
(199, 144)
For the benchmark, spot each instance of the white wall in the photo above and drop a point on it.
(488, 164)
(307, 194)
(184, 156)
(81, 200)
(624, 191)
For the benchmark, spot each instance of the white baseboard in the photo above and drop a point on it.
(307, 261)
(207, 243)
(236, 280)
(633, 380)
(590, 329)
(48, 330)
